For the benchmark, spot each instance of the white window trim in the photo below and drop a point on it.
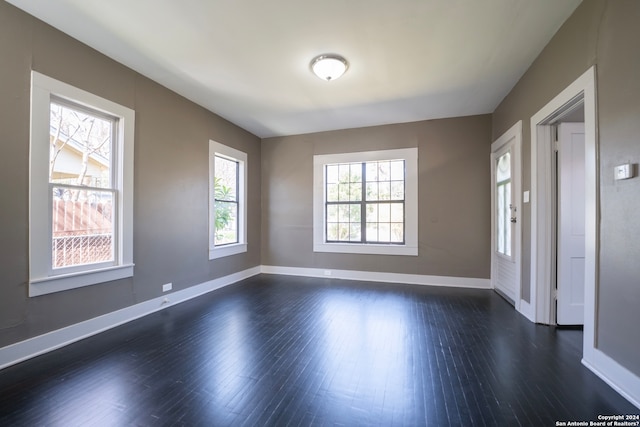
(42, 278)
(410, 247)
(215, 148)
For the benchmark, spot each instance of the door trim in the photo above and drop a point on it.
(514, 133)
(542, 206)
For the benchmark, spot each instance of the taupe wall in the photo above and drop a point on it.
(605, 33)
(454, 197)
(171, 181)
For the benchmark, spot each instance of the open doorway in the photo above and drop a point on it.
(578, 98)
(569, 231)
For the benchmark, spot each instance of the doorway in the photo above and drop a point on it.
(580, 94)
(570, 216)
(506, 166)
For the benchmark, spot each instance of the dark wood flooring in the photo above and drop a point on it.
(279, 350)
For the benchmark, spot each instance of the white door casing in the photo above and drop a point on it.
(505, 265)
(571, 224)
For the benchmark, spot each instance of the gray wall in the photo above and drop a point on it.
(454, 197)
(171, 181)
(605, 34)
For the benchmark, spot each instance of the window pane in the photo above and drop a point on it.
(500, 237)
(384, 191)
(503, 168)
(82, 226)
(372, 231)
(397, 190)
(343, 231)
(397, 232)
(332, 193)
(384, 212)
(384, 171)
(397, 212)
(507, 216)
(226, 179)
(343, 192)
(344, 173)
(226, 222)
(332, 231)
(355, 213)
(372, 191)
(355, 233)
(355, 193)
(384, 232)
(356, 172)
(332, 213)
(332, 174)
(372, 212)
(80, 147)
(397, 170)
(372, 171)
(343, 213)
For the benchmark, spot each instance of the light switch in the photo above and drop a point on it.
(525, 197)
(623, 171)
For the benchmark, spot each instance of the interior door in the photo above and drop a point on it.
(505, 275)
(571, 224)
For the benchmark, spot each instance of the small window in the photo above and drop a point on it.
(227, 223)
(368, 205)
(81, 188)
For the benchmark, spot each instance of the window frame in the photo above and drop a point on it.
(507, 210)
(43, 278)
(228, 249)
(410, 246)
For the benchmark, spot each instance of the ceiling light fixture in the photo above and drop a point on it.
(329, 67)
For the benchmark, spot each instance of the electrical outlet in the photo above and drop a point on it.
(167, 287)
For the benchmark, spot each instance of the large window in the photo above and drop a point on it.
(366, 202)
(227, 201)
(81, 182)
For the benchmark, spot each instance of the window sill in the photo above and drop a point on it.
(63, 282)
(227, 250)
(349, 248)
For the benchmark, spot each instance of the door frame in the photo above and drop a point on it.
(513, 134)
(583, 89)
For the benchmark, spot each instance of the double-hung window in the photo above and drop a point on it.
(81, 188)
(227, 200)
(366, 202)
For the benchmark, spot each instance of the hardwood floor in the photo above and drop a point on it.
(281, 350)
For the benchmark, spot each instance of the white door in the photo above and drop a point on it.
(505, 180)
(571, 224)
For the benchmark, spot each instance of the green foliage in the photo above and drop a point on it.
(223, 210)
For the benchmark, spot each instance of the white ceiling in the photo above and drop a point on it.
(248, 60)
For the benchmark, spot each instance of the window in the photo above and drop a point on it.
(503, 200)
(81, 185)
(366, 202)
(227, 201)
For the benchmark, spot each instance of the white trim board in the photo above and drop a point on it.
(625, 382)
(375, 276)
(32, 347)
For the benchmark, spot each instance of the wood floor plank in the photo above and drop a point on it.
(291, 351)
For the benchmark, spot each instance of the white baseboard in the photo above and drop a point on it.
(373, 276)
(625, 382)
(526, 309)
(23, 350)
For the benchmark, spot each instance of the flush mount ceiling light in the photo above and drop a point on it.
(329, 67)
